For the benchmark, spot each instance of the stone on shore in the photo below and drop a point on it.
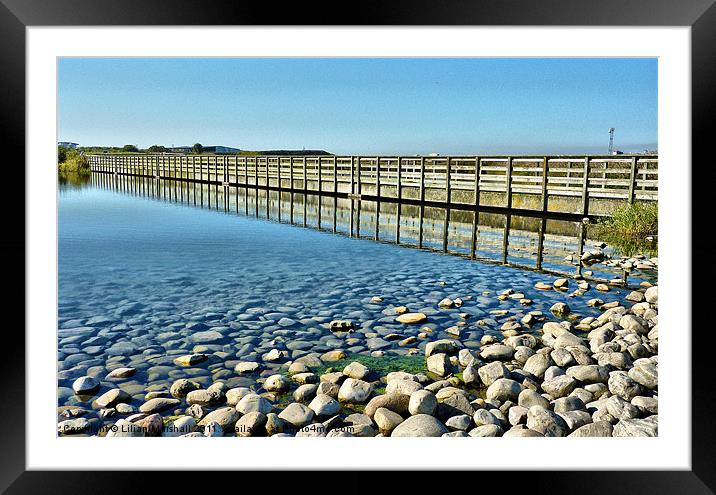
(546, 422)
(182, 386)
(356, 370)
(422, 402)
(158, 404)
(254, 402)
(277, 383)
(420, 425)
(412, 318)
(439, 364)
(596, 429)
(386, 419)
(124, 372)
(324, 405)
(225, 417)
(355, 391)
(504, 389)
(112, 397)
(244, 367)
(190, 359)
(297, 414)
(648, 427)
(85, 385)
(445, 346)
(249, 424)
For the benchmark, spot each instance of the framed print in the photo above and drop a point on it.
(430, 238)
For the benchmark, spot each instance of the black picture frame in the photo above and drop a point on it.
(16, 15)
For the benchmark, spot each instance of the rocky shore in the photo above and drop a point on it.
(537, 373)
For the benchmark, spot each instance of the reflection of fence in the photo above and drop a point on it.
(533, 182)
(535, 243)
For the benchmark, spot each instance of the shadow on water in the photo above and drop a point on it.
(545, 244)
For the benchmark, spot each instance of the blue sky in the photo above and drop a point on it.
(362, 106)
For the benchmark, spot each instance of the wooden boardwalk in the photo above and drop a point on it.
(574, 185)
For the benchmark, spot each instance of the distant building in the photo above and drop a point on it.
(220, 149)
(205, 149)
(67, 144)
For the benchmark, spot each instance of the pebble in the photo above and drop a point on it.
(85, 385)
(412, 318)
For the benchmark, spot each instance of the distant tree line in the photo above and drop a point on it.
(197, 148)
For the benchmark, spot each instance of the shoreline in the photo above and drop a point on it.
(542, 375)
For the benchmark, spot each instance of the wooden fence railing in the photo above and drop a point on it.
(460, 179)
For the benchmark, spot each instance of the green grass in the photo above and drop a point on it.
(72, 162)
(628, 227)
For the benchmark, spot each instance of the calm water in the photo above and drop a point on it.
(142, 281)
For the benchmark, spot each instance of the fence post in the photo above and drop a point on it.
(585, 188)
(335, 173)
(352, 186)
(290, 175)
(509, 182)
(545, 192)
(377, 179)
(399, 187)
(447, 180)
(422, 182)
(632, 182)
(477, 184)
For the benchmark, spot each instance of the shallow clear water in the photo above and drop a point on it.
(136, 273)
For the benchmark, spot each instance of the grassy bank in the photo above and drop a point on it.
(71, 161)
(632, 229)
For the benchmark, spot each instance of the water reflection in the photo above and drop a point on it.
(73, 180)
(552, 245)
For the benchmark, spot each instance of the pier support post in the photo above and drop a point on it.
(506, 238)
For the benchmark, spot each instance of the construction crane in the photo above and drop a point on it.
(611, 140)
